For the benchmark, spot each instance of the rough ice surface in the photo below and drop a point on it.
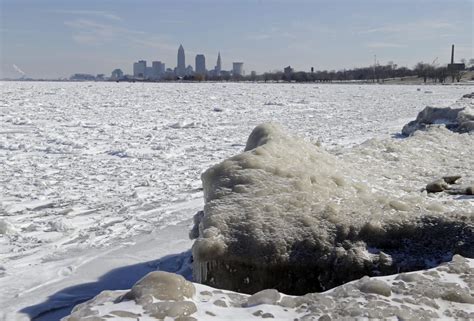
(445, 292)
(458, 118)
(95, 175)
(286, 214)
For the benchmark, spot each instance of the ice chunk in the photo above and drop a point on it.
(375, 286)
(269, 296)
(457, 119)
(288, 215)
(161, 285)
(6, 227)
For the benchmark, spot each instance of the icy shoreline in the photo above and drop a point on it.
(438, 293)
(80, 175)
(444, 292)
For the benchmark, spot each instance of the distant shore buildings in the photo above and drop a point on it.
(390, 73)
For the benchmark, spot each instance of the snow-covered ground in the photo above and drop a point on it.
(442, 293)
(95, 177)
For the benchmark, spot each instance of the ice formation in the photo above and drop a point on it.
(459, 119)
(89, 169)
(444, 292)
(286, 214)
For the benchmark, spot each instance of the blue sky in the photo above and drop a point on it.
(55, 38)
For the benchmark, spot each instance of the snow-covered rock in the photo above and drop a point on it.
(286, 214)
(444, 292)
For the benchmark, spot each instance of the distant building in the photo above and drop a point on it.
(116, 74)
(170, 74)
(189, 71)
(139, 69)
(148, 72)
(218, 67)
(181, 67)
(225, 74)
(200, 64)
(158, 69)
(238, 68)
(82, 77)
(455, 66)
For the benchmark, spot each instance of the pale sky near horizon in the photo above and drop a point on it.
(56, 38)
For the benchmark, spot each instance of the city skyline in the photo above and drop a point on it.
(52, 38)
(158, 70)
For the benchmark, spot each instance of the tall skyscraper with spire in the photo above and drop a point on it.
(218, 66)
(181, 68)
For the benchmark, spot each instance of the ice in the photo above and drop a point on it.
(438, 293)
(162, 286)
(268, 296)
(6, 227)
(375, 286)
(459, 117)
(287, 214)
(54, 144)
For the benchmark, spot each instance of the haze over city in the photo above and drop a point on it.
(51, 38)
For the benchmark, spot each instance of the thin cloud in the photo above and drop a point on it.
(272, 33)
(19, 70)
(411, 27)
(155, 42)
(91, 32)
(102, 14)
(385, 45)
(258, 36)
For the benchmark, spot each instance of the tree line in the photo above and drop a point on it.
(378, 73)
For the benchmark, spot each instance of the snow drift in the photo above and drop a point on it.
(440, 293)
(286, 214)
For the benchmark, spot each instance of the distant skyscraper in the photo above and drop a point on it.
(181, 68)
(238, 68)
(158, 69)
(149, 72)
(218, 66)
(139, 69)
(200, 64)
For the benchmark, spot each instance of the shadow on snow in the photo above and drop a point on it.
(62, 302)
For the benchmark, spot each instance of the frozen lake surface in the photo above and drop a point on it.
(87, 169)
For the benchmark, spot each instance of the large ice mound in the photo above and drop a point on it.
(459, 118)
(441, 293)
(286, 214)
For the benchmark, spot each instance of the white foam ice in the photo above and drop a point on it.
(60, 148)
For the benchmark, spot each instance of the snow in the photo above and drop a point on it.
(439, 293)
(93, 177)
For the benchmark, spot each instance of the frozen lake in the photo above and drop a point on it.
(86, 167)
